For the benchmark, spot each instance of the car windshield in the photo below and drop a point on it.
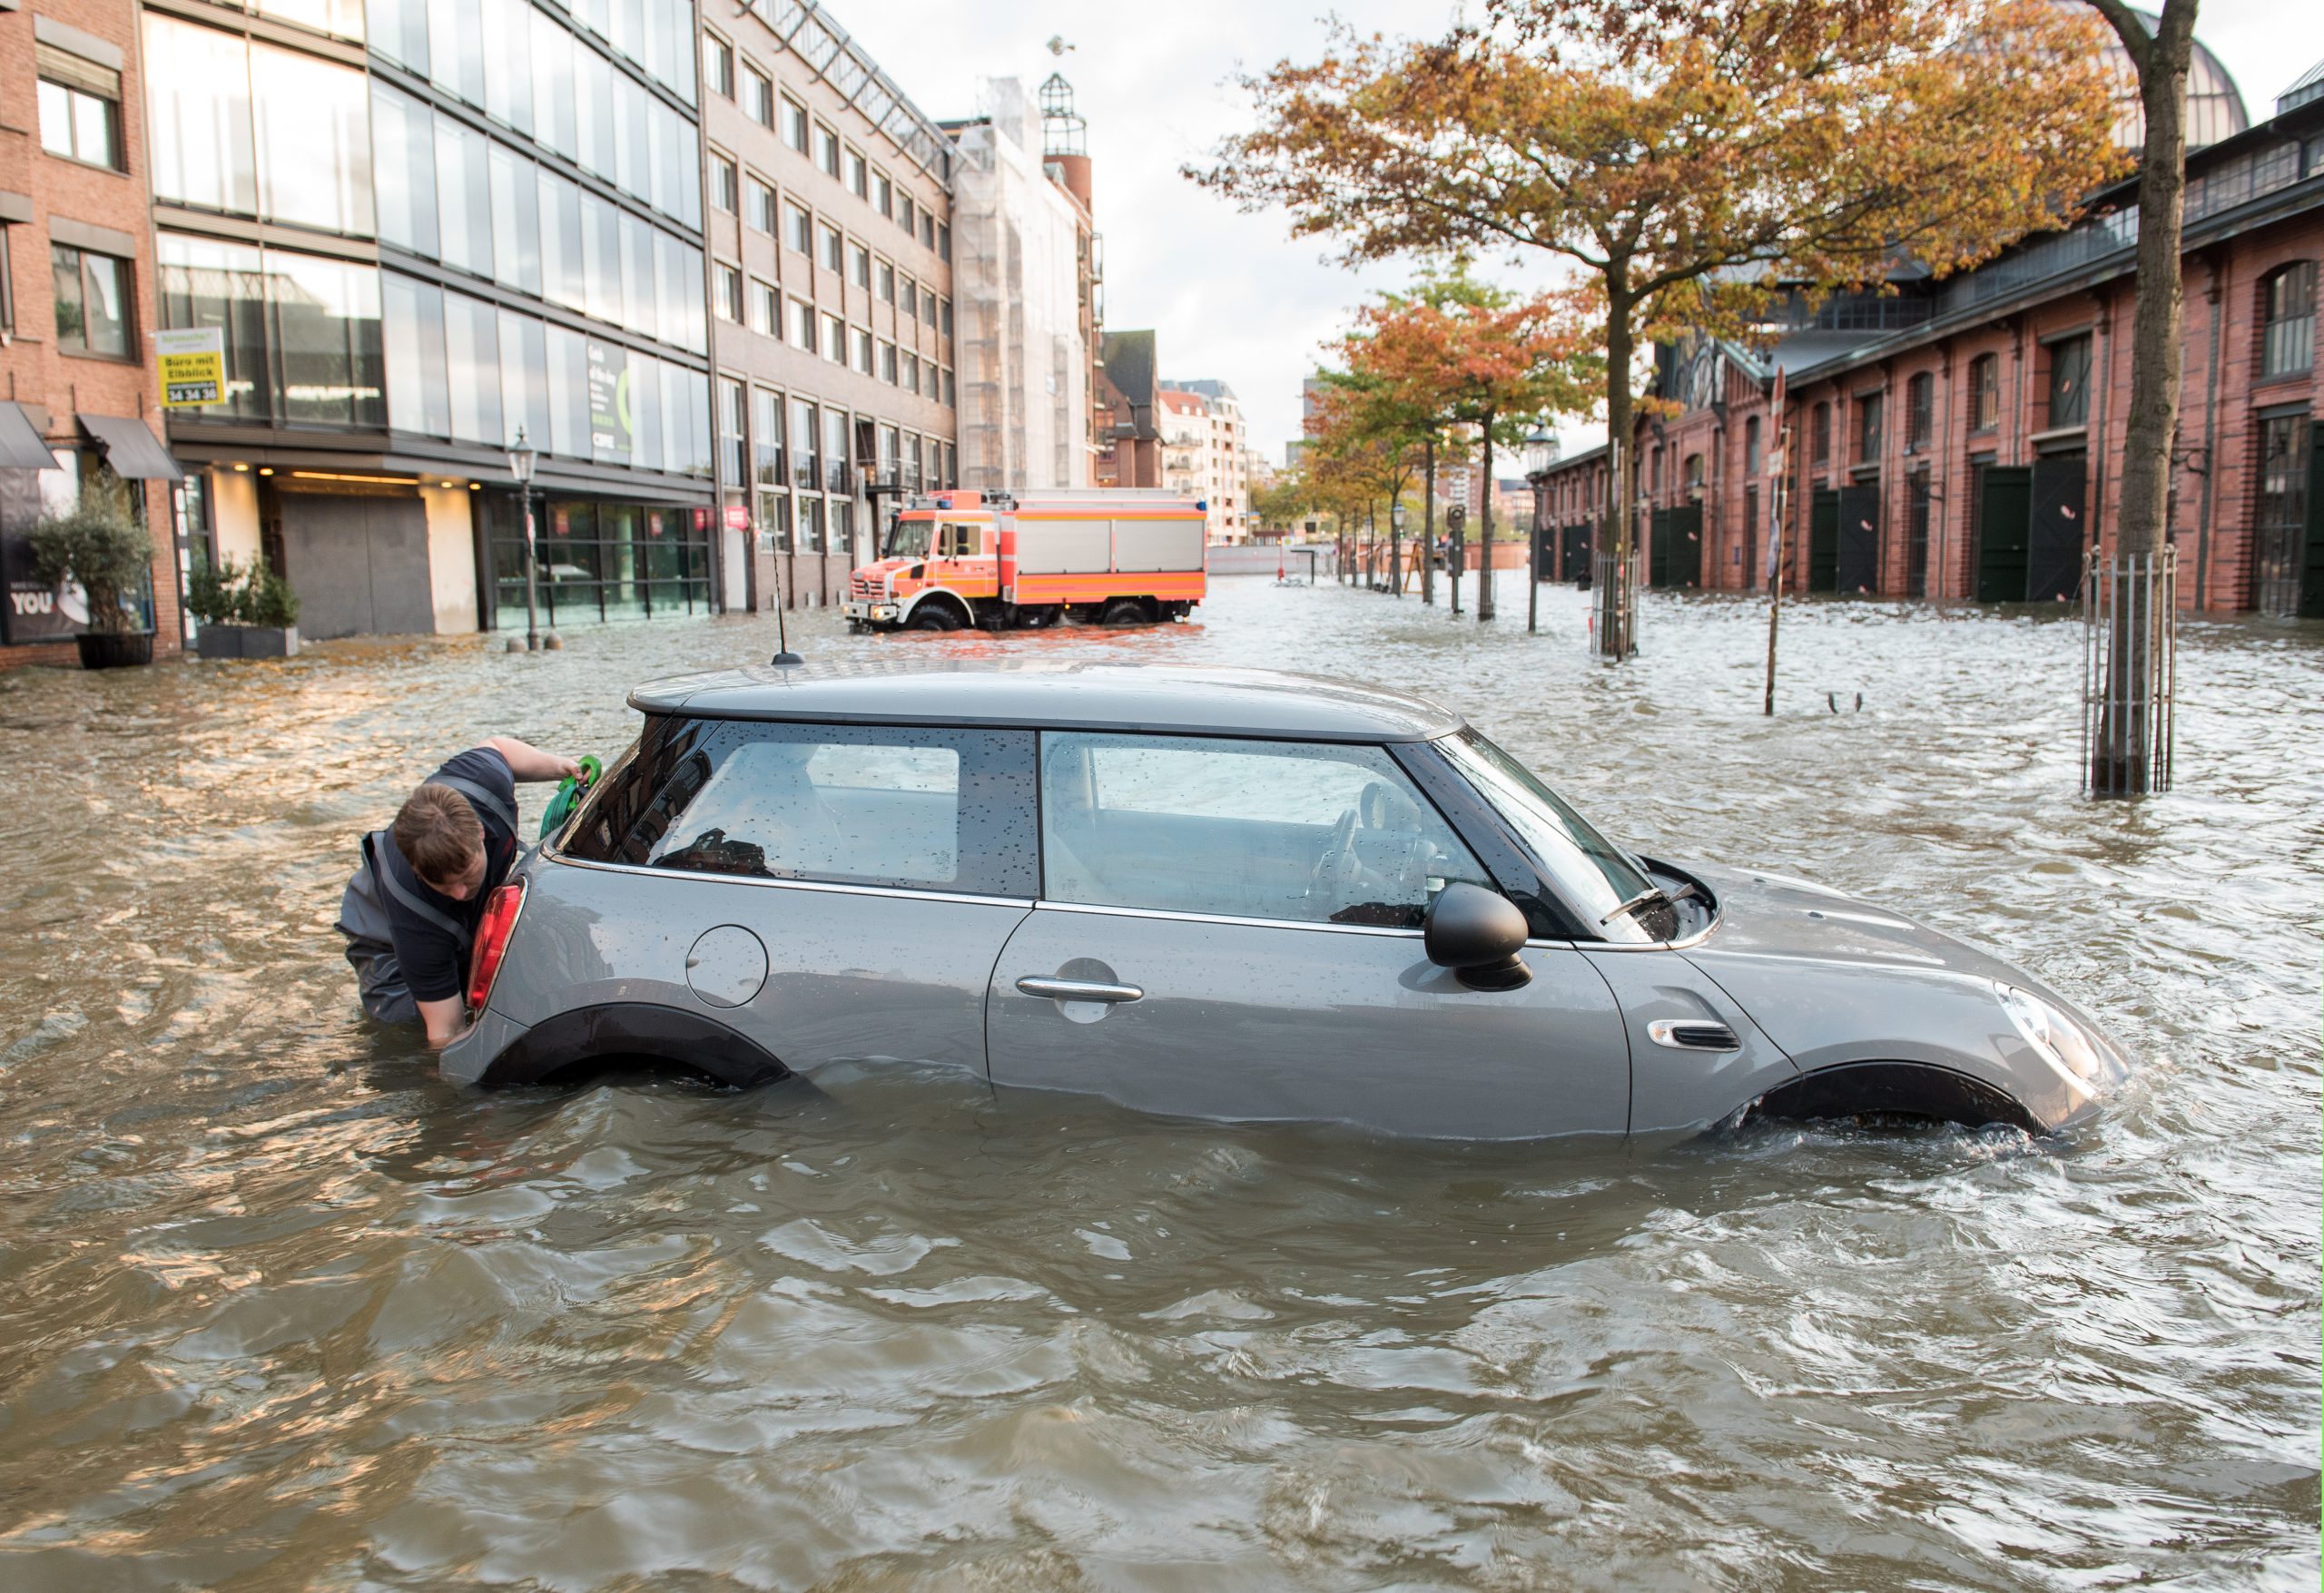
(910, 538)
(1596, 875)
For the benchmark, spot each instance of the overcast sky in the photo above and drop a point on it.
(1232, 296)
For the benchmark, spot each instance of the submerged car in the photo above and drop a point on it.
(1213, 893)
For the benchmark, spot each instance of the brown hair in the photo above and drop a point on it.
(439, 833)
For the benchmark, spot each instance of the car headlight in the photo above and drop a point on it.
(2058, 1037)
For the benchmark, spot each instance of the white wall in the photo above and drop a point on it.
(451, 557)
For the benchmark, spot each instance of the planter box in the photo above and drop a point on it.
(248, 642)
(114, 649)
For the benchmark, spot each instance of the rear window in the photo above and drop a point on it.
(933, 810)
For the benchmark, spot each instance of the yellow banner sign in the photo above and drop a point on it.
(192, 364)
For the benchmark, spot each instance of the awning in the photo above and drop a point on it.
(19, 445)
(131, 448)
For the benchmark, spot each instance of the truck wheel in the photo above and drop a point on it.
(934, 616)
(1126, 610)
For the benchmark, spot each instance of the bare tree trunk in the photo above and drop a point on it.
(2121, 751)
(1428, 528)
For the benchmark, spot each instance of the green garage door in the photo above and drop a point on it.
(1824, 541)
(1683, 565)
(1856, 566)
(2056, 528)
(2311, 563)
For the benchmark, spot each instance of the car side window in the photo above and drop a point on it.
(924, 808)
(1306, 833)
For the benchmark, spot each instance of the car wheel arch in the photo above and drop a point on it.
(584, 1038)
(1885, 1088)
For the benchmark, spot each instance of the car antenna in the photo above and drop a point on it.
(784, 658)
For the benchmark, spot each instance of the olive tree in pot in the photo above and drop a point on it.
(99, 544)
(246, 611)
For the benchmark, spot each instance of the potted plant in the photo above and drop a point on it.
(99, 544)
(246, 611)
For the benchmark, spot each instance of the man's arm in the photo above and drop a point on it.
(529, 763)
(446, 1020)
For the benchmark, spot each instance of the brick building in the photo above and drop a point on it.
(1963, 438)
(1206, 460)
(1129, 438)
(77, 305)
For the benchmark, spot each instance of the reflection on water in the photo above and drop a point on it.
(284, 1309)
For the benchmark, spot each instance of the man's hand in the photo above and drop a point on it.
(446, 1020)
(529, 763)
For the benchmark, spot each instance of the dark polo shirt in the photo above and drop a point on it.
(435, 964)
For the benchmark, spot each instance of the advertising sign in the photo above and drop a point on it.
(191, 361)
(738, 518)
(32, 612)
(611, 434)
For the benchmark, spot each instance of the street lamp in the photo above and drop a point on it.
(1395, 548)
(521, 460)
(1540, 453)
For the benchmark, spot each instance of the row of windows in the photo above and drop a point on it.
(244, 128)
(814, 331)
(451, 194)
(316, 342)
(816, 140)
(769, 442)
(476, 50)
(763, 210)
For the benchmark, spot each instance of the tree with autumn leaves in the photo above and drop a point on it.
(1453, 363)
(1686, 161)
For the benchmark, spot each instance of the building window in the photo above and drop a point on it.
(948, 397)
(834, 339)
(1920, 413)
(758, 96)
(765, 312)
(2282, 527)
(827, 149)
(91, 302)
(80, 107)
(803, 325)
(906, 217)
(760, 216)
(858, 174)
(863, 352)
(859, 266)
(944, 316)
(928, 304)
(831, 248)
(732, 425)
(927, 230)
(767, 438)
(1868, 416)
(798, 228)
(887, 274)
(2070, 382)
(883, 193)
(804, 473)
(718, 66)
(726, 292)
(910, 381)
(725, 192)
(8, 285)
(888, 363)
(1819, 434)
(908, 295)
(795, 125)
(2288, 311)
(1751, 446)
(1984, 392)
(943, 242)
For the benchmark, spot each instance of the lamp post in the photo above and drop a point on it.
(1456, 527)
(1396, 548)
(1540, 453)
(521, 460)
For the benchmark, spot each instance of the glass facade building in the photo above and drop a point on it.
(422, 227)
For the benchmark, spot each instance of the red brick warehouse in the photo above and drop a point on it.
(1963, 438)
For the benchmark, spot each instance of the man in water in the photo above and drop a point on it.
(455, 840)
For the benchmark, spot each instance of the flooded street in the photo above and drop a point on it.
(281, 1310)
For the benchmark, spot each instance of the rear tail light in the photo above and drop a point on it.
(492, 934)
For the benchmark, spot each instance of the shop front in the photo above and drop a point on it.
(600, 559)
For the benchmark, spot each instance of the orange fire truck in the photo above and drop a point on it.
(1106, 556)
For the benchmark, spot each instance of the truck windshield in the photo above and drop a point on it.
(910, 538)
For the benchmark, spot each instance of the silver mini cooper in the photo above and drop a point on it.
(1215, 893)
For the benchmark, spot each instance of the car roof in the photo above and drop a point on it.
(1179, 699)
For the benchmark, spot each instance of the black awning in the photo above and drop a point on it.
(131, 448)
(21, 448)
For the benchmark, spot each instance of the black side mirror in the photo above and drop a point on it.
(1479, 934)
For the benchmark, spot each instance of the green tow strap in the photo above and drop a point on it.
(568, 796)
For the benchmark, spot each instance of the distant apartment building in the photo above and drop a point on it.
(1027, 268)
(832, 232)
(1207, 414)
(1129, 438)
(424, 230)
(77, 308)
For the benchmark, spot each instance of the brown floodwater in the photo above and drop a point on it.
(279, 1309)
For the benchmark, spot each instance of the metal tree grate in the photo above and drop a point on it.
(2130, 671)
(1614, 636)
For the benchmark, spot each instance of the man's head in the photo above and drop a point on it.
(441, 837)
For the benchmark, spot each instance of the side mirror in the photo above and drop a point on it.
(1479, 934)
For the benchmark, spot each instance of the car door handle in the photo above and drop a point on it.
(1077, 989)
